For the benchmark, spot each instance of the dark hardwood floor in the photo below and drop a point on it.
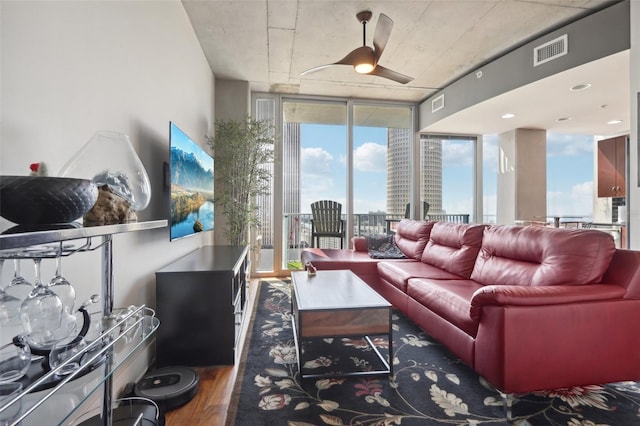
(209, 406)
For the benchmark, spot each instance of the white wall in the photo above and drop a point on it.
(71, 68)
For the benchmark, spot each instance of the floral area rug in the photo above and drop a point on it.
(430, 385)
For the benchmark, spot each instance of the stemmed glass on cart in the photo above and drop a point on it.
(9, 305)
(42, 312)
(19, 286)
(14, 358)
(62, 287)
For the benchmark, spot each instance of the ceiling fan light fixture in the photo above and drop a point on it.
(364, 60)
(363, 68)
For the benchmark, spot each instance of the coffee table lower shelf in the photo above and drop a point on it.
(387, 370)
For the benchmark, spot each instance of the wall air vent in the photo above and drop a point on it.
(551, 50)
(437, 103)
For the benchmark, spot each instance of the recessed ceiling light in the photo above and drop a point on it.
(579, 87)
(614, 122)
(561, 119)
(508, 115)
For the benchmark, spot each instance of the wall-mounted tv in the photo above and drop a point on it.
(191, 177)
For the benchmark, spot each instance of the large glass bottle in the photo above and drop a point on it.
(109, 158)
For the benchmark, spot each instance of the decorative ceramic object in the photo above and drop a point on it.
(108, 158)
(38, 200)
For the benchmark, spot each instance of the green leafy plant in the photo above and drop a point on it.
(243, 152)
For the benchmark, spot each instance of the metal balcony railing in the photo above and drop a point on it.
(297, 227)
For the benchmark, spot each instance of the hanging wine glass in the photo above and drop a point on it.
(41, 312)
(63, 288)
(19, 287)
(9, 305)
(67, 294)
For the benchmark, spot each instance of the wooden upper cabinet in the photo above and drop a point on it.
(612, 157)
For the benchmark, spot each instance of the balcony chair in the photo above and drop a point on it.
(407, 215)
(425, 210)
(326, 222)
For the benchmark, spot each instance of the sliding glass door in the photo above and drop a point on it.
(358, 154)
(314, 168)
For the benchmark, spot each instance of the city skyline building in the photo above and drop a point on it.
(399, 171)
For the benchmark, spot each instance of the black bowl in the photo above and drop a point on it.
(39, 200)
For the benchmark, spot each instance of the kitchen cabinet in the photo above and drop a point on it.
(612, 156)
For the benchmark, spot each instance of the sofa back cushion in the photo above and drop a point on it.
(536, 256)
(412, 236)
(453, 247)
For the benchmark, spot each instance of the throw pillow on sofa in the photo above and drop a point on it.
(383, 247)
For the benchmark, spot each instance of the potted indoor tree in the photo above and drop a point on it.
(243, 152)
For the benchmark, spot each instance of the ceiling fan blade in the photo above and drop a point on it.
(381, 36)
(381, 71)
(356, 56)
(314, 69)
(352, 58)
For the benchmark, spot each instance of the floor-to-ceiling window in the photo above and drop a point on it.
(265, 109)
(314, 168)
(336, 150)
(447, 177)
(382, 147)
(570, 190)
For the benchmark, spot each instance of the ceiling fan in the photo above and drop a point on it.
(365, 59)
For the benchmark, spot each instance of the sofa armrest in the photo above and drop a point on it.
(360, 244)
(541, 295)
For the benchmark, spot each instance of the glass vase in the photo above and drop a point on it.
(109, 158)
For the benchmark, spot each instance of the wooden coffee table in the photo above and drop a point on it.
(338, 304)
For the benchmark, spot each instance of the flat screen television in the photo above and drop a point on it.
(191, 174)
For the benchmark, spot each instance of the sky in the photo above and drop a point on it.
(323, 163)
(180, 140)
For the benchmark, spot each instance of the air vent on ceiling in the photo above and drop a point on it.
(437, 103)
(550, 50)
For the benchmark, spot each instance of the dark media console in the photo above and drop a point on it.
(200, 300)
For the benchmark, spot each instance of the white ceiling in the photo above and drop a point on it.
(270, 42)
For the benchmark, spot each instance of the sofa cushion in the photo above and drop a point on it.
(453, 247)
(383, 246)
(412, 236)
(399, 273)
(450, 299)
(536, 256)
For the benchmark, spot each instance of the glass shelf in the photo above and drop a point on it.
(42, 407)
(32, 236)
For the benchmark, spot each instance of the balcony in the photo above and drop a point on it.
(297, 230)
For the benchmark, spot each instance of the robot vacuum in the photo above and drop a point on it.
(169, 387)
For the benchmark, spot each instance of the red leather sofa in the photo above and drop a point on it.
(528, 308)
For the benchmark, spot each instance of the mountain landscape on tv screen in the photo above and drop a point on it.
(191, 194)
(187, 172)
